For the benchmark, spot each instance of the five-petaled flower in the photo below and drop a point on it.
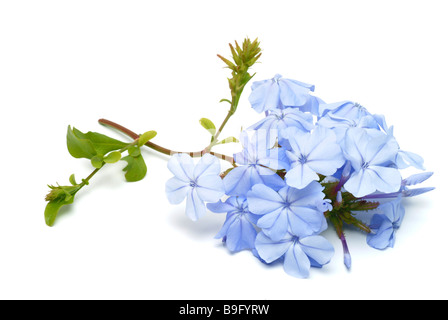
(372, 155)
(311, 154)
(299, 253)
(288, 210)
(199, 184)
(279, 93)
(238, 231)
(384, 224)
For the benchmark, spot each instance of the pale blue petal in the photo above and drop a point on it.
(385, 179)
(210, 188)
(269, 250)
(182, 166)
(296, 262)
(317, 248)
(292, 93)
(381, 238)
(305, 221)
(381, 151)
(325, 108)
(207, 165)
(269, 178)
(300, 176)
(265, 96)
(417, 191)
(417, 178)
(359, 184)
(230, 219)
(355, 145)
(195, 207)
(176, 190)
(237, 181)
(278, 221)
(240, 235)
(220, 207)
(407, 159)
(262, 200)
(268, 220)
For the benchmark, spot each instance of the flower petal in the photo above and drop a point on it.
(296, 262)
(317, 248)
(182, 166)
(207, 165)
(176, 190)
(269, 250)
(195, 208)
(210, 188)
(262, 200)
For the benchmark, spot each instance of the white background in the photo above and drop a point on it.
(152, 65)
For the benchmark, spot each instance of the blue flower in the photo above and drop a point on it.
(256, 164)
(280, 93)
(199, 184)
(276, 123)
(372, 157)
(312, 153)
(238, 231)
(289, 210)
(299, 253)
(385, 224)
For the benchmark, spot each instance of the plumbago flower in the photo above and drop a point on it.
(277, 122)
(385, 224)
(257, 163)
(280, 93)
(197, 183)
(306, 165)
(299, 253)
(238, 231)
(288, 210)
(312, 154)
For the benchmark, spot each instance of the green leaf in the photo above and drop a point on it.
(208, 125)
(226, 100)
(90, 144)
(72, 180)
(146, 137)
(134, 151)
(52, 210)
(78, 146)
(97, 161)
(112, 157)
(136, 168)
(229, 140)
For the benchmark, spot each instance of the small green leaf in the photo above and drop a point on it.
(136, 168)
(134, 151)
(113, 157)
(208, 125)
(90, 144)
(225, 100)
(229, 140)
(52, 210)
(72, 180)
(97, 162)
(146, 137)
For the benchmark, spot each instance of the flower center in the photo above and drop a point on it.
(193, 184)
(303, 158)
(365, 165)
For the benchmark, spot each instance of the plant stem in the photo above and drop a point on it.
(166, 151)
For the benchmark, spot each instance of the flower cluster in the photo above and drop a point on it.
(306, 164)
